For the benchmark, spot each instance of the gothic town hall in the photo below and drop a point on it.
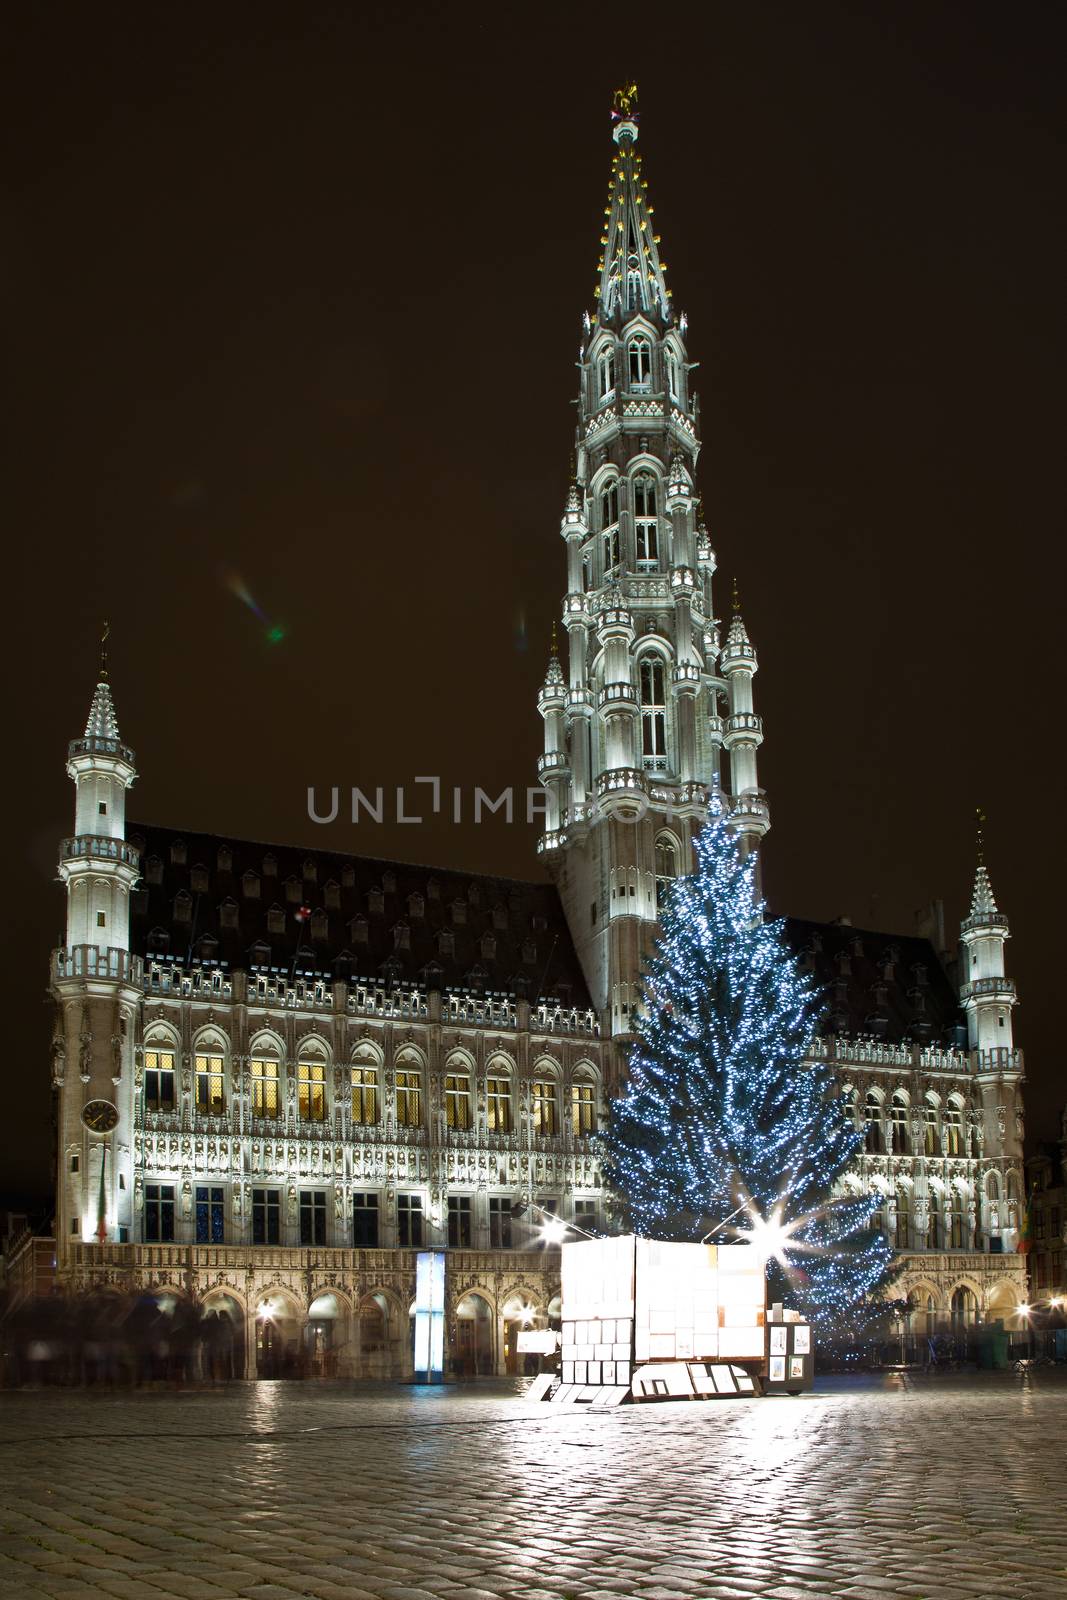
(280, 1072)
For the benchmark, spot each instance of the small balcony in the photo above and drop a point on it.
(97, 847)
(89, 961)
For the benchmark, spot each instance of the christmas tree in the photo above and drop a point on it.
(727, 1128)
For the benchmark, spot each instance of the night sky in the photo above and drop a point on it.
(292, 301)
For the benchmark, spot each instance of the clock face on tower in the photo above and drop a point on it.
(99, 1116)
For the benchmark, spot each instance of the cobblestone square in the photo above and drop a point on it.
(897, 1486)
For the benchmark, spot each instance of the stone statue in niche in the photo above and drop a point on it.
(116, 1058)
(59, 1062)
(187, 1198)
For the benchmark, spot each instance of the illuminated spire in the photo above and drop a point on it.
(102, 723)
(982, 901)
(631, 273)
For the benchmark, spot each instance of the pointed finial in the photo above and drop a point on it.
(555, 642)
(737, 599)
(980, 818)
(103, 650)
(624, 101)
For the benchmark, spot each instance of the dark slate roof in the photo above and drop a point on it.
(368, 918)
(884, 985)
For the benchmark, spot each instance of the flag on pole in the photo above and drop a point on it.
(101, 1204)
(1026, 1225)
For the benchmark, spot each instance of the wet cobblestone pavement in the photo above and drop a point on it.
(868, 1488)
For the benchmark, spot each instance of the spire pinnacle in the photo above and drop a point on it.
(103, 650)
(630, 272)
(982, 900)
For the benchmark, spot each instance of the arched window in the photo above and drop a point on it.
(646, 522)
(543, 1107)
(639, 353)
(605, 372)
(633, 289)
(408, 1093)
(158, 1075)
(933, 1222)
(964, 1310)
(872, 1116)
(953, 1125)
(498, 1098)
(311, 1089)
(902, 1235)
(365, 1091)
(457, 1096)
(930, 1142)
(653, 714)
(957, 1223)
(898, 1125)
(666, 867)
(210, 1083)
(263, 1072)
(609, 526)
(583, 1109)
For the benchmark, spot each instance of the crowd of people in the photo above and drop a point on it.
(113, 1340)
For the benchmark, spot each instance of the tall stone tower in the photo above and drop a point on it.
(97, 987)
(636, 727)
(987, 996)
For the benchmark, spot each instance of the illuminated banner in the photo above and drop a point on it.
(429, 1316)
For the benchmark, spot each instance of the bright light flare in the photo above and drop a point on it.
(1025, 1309)
(554, 1230)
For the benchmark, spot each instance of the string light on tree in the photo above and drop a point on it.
(726, 1115)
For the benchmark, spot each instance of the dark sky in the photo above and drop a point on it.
(292, 293)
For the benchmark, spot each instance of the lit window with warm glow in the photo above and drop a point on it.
(498, 1104)
(159, 1080)
(583, 1109)
(264, 1082)
(210, 1094)
(543, 1107)
(408, 1099)
(311, 1088)
(364, 1095)
(458, 1100)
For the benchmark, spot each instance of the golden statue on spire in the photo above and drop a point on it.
(103, 649)
(624, 100)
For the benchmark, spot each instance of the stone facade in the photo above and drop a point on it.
(281, 1072)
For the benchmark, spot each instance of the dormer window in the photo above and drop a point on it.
(177, 852)
(224, 859)
(293, 891)
(416, 906)
(488, 946)
(250, 886)
(646, 523)
(375, 902)
(360, 929)
(228, 914)
(198, 880)
(389, 881)
(153, 870)
(311, 871)
(183, 906)
(459, 911)
(605, 373)
(320, 925)
(348, 876)
(270, 866)
(332, 895)
(276, 919)
(639, 353)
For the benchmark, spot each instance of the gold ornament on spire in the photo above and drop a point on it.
(980, 818)
(624, 100)
(737, 599)
(103, 650)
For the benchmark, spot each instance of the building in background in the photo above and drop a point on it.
(282, 1072)
(1046, 1178)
